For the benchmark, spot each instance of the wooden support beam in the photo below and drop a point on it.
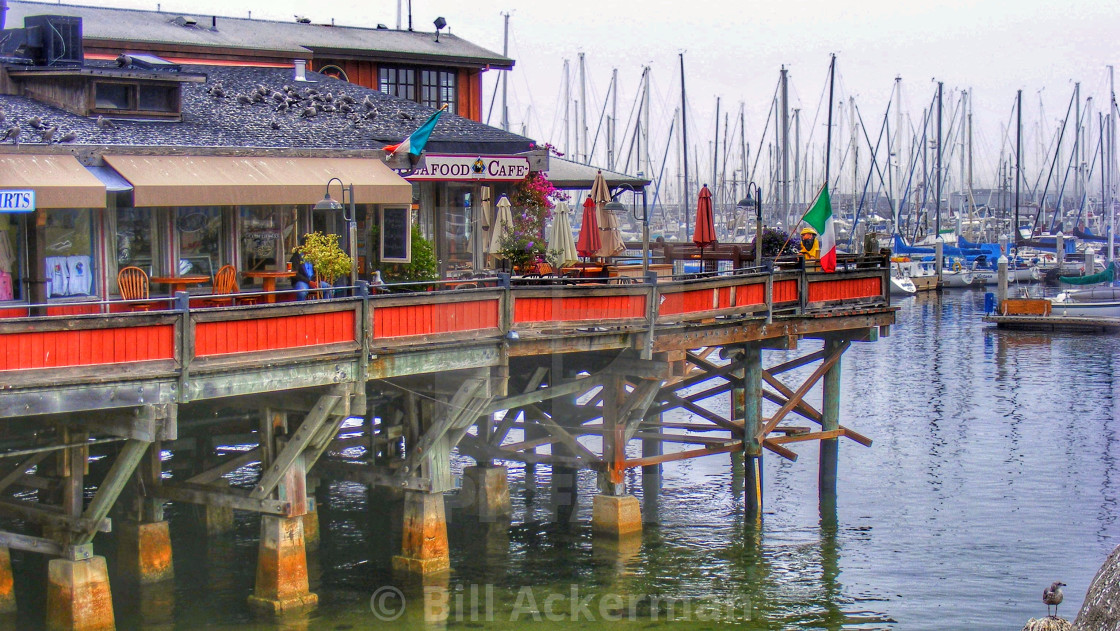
(825, 366)
(511, 415)
(730, 447)
(21, 469)
(576, 386)
(796, 363)
(781, 451)
(362, 472)
(236, 499)
(229, 465)
(48, 515)
(124, 465)
(798, 438)
(635, 367)
(300, 439)
(28, 543)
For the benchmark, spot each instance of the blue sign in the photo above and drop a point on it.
(17, 201)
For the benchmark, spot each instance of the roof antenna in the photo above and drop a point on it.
(409, 15)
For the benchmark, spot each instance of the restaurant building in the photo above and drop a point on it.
(181, 169)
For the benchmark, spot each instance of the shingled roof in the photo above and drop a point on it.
(287, 39)
(224, 122)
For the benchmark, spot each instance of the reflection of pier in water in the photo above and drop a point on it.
(142, 408)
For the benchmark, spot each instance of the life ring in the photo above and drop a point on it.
(956, 266)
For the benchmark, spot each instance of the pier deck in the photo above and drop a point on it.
(567, 376)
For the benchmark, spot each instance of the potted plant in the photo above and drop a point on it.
(325, 256)
(524, 243)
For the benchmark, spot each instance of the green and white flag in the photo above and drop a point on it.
(820, 218)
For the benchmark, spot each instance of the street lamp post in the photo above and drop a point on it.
(757, 220)
(349, 216)
(616, 207)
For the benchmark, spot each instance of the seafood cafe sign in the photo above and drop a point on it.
(467, 167)
(17, 201)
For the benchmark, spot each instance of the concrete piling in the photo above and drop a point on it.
(78, 595)
(616, 516)
(144, 551)
(485, 492)
(424, 548)
(7, 583)
(282, 584)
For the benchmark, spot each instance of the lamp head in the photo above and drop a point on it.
(328, 204)
(439, 24)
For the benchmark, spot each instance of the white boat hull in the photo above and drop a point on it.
(1100, 302)
(902, 286)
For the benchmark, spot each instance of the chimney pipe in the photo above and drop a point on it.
(301, 70)
(213, 22)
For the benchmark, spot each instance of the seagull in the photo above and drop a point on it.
(105, 123)
(346, 98)
(48, 133)
(368, 102)
(274, 124)
(217, 92)
(244, 100)
(1053, 596)
(3, 116)
(13, 133)
(35, 122)
(310, 112)
(69, 136)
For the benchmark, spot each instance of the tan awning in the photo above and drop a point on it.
(251, 181)
(59, 181)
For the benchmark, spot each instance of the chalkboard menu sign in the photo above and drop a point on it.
(396, 235)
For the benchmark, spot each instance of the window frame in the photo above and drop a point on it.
(431, 86)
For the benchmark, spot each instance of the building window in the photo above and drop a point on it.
(69, 262)
(136, 98)
(159, 98)
(11, 238)
(200, 240)
(399, 82)
(427, 86)
(268, 236)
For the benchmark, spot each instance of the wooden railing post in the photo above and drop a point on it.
(651, 313)
(365, 330)
(186, 344)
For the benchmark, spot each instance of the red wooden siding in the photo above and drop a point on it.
(845, 289)
(432, 319)
(58, 349)
(15, 312)
(73, 310)
(269, 334)
(578, 308)
(703, 300)
(785, 291)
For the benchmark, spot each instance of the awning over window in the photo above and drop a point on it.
(255, 181)
(59, 181)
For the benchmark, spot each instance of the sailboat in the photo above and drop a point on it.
(1097, 302)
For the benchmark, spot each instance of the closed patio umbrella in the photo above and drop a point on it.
(480, 232)
(589, 241)
(705, 233)
(502, 226)
(560, 238)
(609, 234)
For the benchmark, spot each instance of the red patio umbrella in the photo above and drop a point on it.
(589, 242)
(705, 233)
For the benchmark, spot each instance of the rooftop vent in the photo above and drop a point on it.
(54, 40)
(183, 20)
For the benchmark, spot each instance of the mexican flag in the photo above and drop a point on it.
(820, 218)
(414, 144)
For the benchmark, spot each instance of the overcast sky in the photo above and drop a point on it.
(734, 49)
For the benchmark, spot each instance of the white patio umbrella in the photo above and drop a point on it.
(560, 237)
(502, 226)
(480, 247)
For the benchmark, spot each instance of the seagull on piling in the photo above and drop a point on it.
(1053, 596)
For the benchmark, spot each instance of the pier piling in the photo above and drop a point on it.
(424, 548)
(78, 595)
(830, 419)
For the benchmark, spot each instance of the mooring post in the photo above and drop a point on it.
(830, 421)
(751, 413)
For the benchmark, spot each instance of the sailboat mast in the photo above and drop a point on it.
(797, 174)
(505, 73)
(855, 152)
(964, 153)
(611, 127)
(684, 141)
(715, 153)
(937, 202)
(567, 110)
(785, 142)
(581, 116)
(828, 136)
(898, 136)
(645, 124)
(1018, 158)
(1111, 164)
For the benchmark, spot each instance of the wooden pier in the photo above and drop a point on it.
(559, 375)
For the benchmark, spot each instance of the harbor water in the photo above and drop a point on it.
(992, 474)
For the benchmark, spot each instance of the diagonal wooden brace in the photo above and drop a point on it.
(119, 474)
(300, 439)
(825, 366)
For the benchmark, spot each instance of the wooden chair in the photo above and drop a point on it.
(133, 285)
(225, 284)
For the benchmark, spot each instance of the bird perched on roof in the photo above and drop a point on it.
(48, 133)
(69, 136)
(346, 98)
(1053, 596)
(368, 103)
(309, 112)
(12, 133)
(263, 90)
(217, 92)
(279, 97)
(35, 122)
(328, 108)
(244, 100)
(105, 123)
(345, 108)
(3, 116)
(274, 124)
(123, 61)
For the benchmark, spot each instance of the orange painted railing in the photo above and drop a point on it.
(187, 337)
